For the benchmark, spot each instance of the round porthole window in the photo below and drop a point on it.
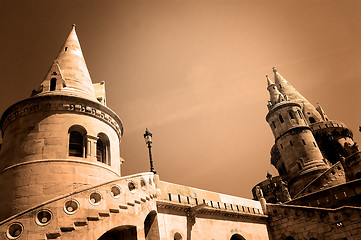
(71, 206)
(143, 185)
(115, 191)
(43, 217)
(95, 198)
(14, 230)
(131, 186)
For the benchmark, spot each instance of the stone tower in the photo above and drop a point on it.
(295, 154)
(60, 139)
(334, 139)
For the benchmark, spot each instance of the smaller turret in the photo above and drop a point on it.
(273, 188)
(323, 114)
(275, 95)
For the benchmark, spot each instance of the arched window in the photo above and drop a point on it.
(289, 238)
(103, 153)
(77, 141)
(151, 228)
(237, 237)
(300, 114)
(312, 120)
(128, 232)
(52, 84)
(299, 165)
(177, 236)
(76, 144)
(281, 118)
(291, 115)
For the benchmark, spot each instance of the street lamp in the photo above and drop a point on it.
(148, 141)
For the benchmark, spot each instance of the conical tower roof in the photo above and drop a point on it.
(275, 95)
(269, 81)
(322, 112)
(69, 74)
(310, 112)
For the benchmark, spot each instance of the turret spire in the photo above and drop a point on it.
(293, 95)
(69, 74)
(269, 82)
(323, 114)
(275, 95)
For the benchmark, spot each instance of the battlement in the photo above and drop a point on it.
(331, 177)
(327, 124)
(194, 196)
(305, 222)
(336, 196)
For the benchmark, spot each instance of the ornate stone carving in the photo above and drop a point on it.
(25, 108)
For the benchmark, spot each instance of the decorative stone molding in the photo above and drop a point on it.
(61, 104)
(186, 209)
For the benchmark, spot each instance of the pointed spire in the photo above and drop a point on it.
(275, 95)
(279, 80)
(323, 114)
(293, 95)
(69, 72)
(269, 82)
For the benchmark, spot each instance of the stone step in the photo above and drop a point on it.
(123, 207)
(104, 214)
(114, 210)
(53, 235)
(92, 218)
(80, 223)
(67, 229)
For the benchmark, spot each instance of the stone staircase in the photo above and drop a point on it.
(88, 212)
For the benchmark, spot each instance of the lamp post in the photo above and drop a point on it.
(148, 140)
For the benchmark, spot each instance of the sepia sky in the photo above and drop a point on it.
(193, 72)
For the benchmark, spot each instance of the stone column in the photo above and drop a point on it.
(91, 151)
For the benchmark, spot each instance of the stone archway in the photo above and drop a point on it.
(127, 232)
(151, 229)
(237, 237)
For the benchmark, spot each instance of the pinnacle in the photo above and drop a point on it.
(269, 82)
(293, 95)
(70, 65)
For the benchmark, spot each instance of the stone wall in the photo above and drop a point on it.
(199, 214)
(337, 196)
(303, 223)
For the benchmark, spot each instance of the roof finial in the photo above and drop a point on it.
(74, 25)
(269, 82)
(274, 69)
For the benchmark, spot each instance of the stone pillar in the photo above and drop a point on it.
(261, 199)
(91, 151)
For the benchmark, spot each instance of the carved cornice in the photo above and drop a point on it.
(185, 209)
(281, 105)
(62, 103)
